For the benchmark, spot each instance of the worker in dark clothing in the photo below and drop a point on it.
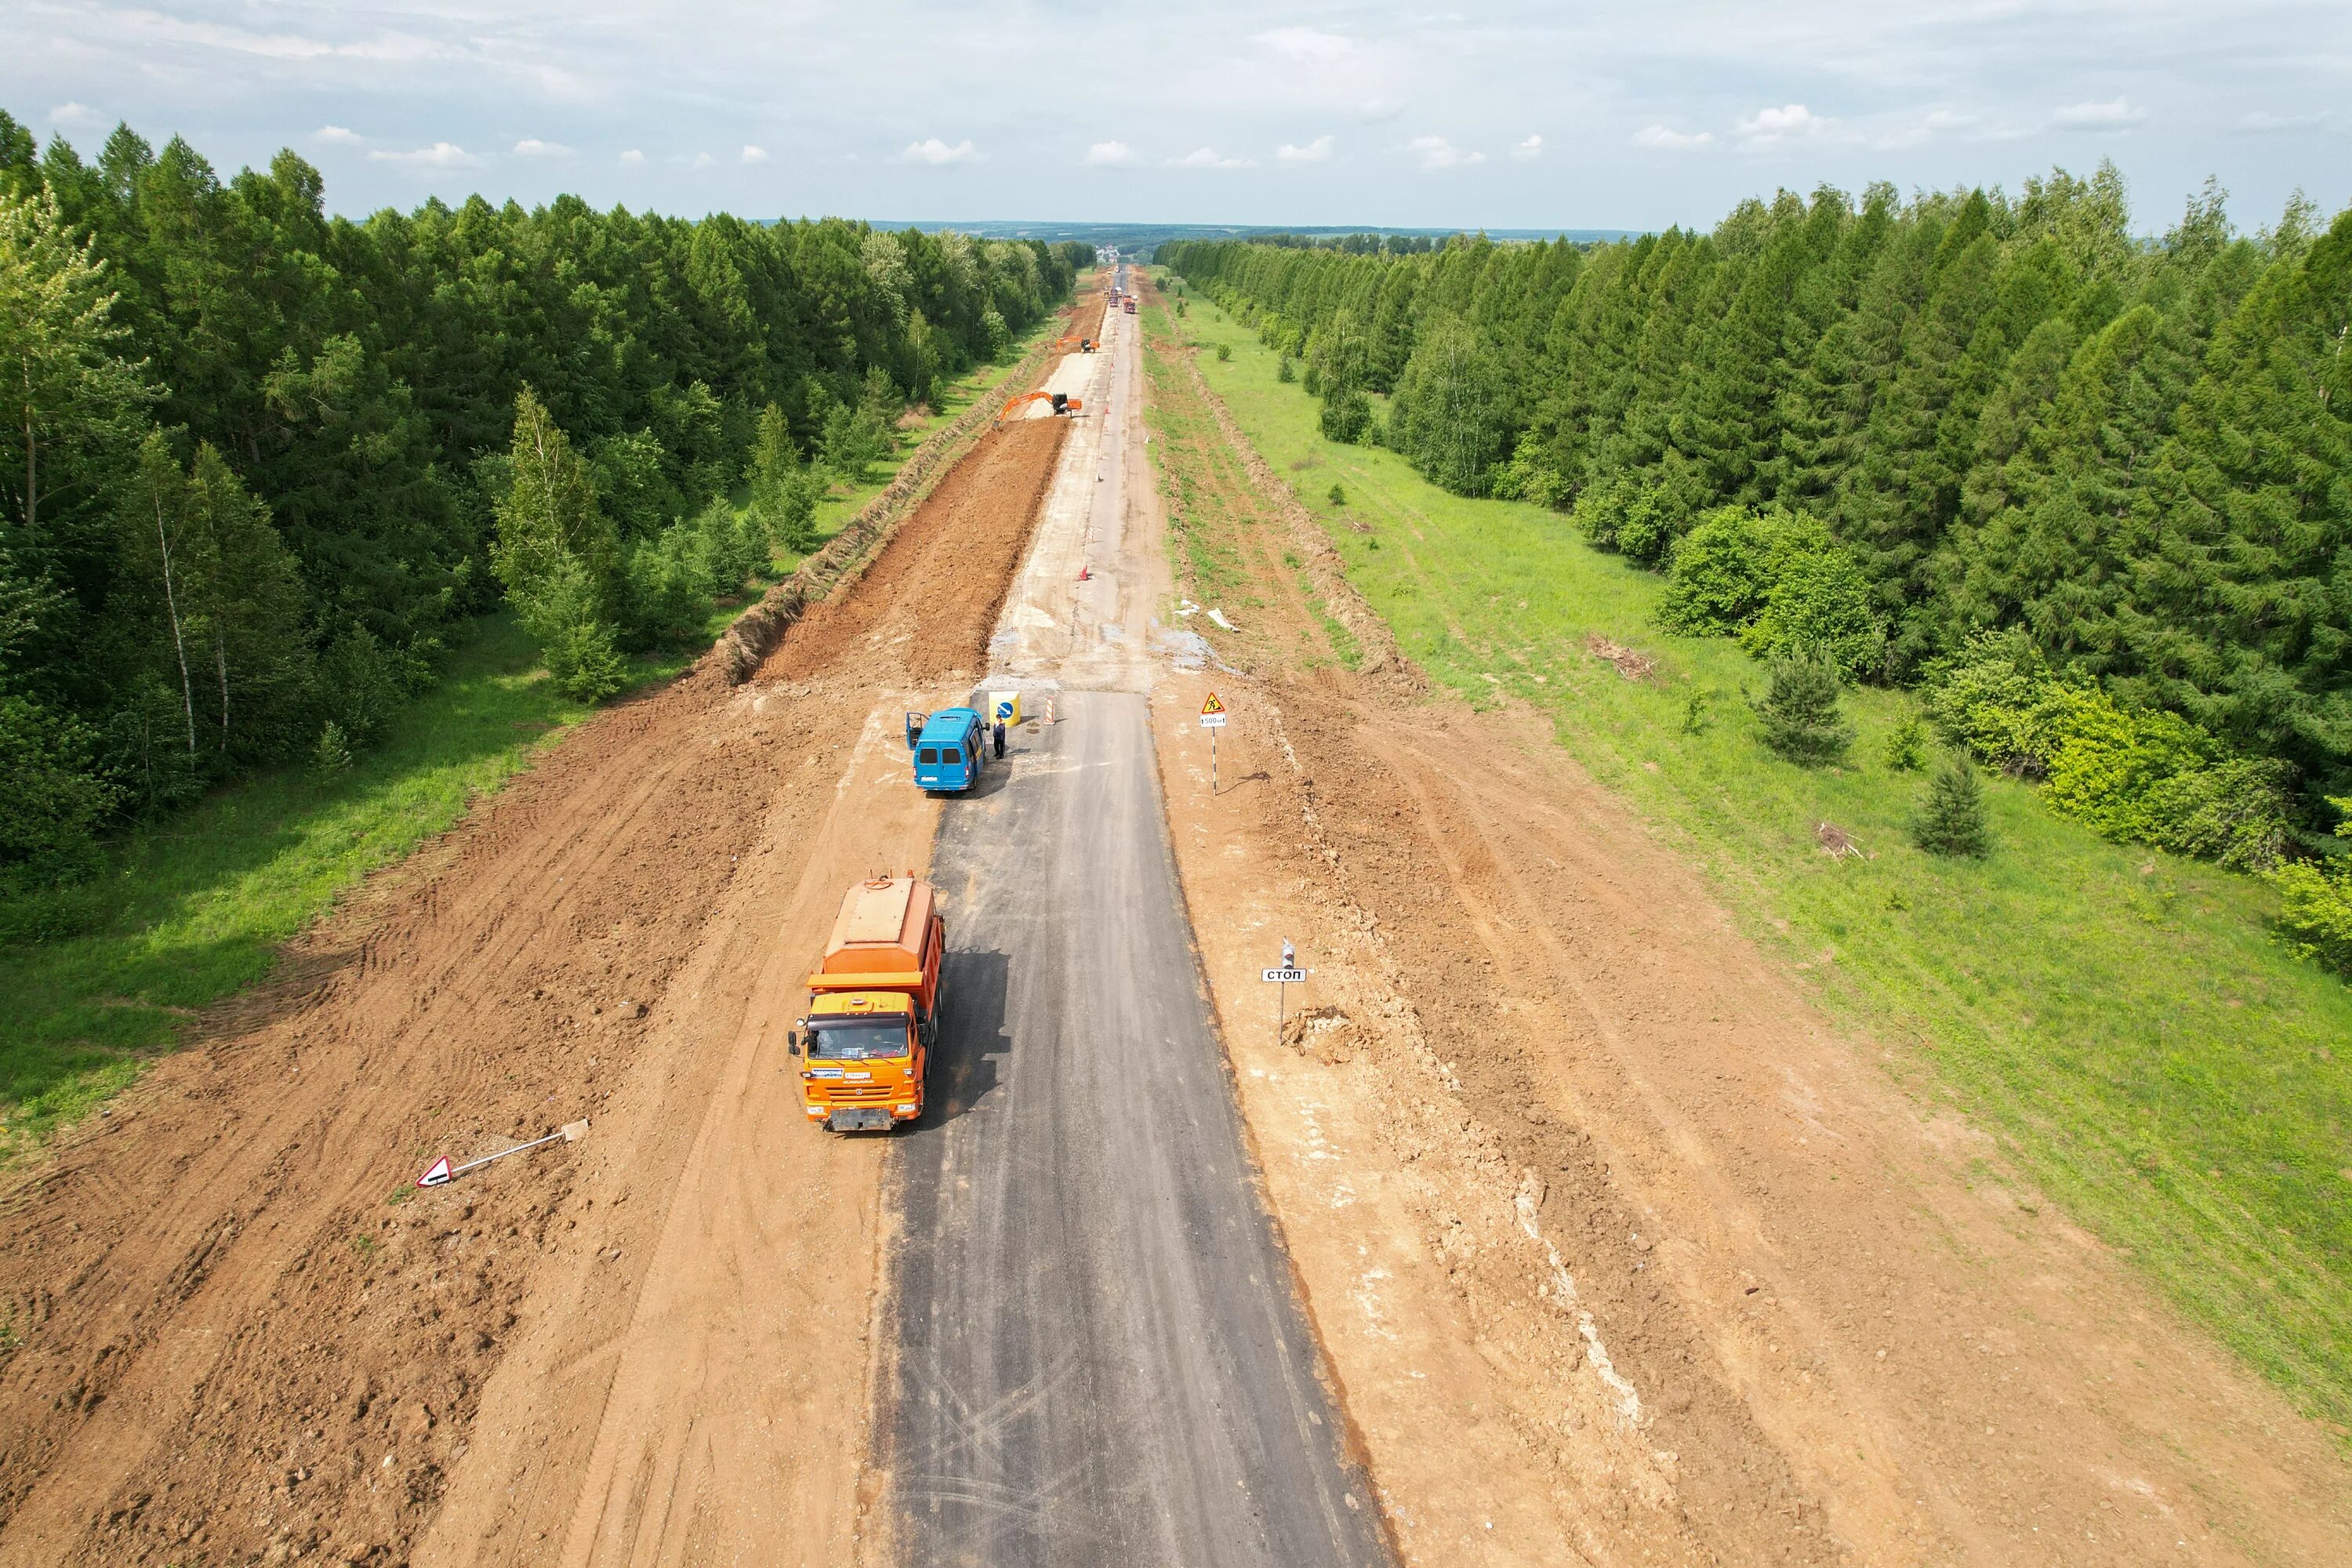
(1000, 739)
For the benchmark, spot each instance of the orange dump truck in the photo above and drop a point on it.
(874, 1008)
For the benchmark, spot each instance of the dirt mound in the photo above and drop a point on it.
(953, 573)
(244, 1335)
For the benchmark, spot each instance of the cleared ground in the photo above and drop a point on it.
(246, 1336)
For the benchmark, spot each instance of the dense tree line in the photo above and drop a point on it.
(259, 459)
(2098, 486)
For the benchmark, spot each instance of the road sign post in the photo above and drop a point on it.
(1282, 977)
(1212, 718)
(443, 1172)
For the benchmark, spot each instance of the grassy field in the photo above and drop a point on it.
(193, 908)
(2119, 1020)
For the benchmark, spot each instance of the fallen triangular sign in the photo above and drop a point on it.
(438, 1176)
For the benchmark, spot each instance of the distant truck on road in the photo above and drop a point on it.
(948, 747)
(874, 1008)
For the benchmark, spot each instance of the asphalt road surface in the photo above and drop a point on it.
(1099, 1358)
(1096, 1355)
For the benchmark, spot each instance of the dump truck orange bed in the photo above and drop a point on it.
(886, 938)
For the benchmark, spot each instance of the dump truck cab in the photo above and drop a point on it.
(873, 1018)
(948, 747)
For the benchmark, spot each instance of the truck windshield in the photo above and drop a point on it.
(856, 1042)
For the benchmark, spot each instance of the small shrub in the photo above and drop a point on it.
(1313, 381)
(1951, 819)
(1338, 494)
(577, 643)
(1636, 520)
(1695, 710)
(1800, 711)
(2133, 776)
(1906, 747)
(362, 683)
(2315, 903)
(332, 754)
(1224, 352)
(586, 665)
(1286, 372)
(1346, 415)
(1773, 579)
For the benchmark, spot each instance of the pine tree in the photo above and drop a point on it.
(332, 753)
(1800, 711)
(2233, 610)
(558, 555)
(1951, 818)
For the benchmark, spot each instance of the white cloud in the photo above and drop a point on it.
(1784, 124)
(1110, 155)
(336, 135)
(634, 157)
(440, 155)
(1309, 46)
(532, 147)
(75, 113)
(1659, 137)
(931, 150)
(754, 154)
(2263, 123)
(2117, 114)
(702, 160)
(1530, 148)
(1316, 151)
(1209, 158)
(1437, 153)
(1889, 136)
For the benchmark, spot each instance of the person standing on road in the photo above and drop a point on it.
(1000, 740)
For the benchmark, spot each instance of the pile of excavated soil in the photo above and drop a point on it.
(244, 1335)
(1836, 1326)
(947, 573)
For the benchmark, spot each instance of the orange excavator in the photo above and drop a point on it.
(1062, 401)
(1083, 345)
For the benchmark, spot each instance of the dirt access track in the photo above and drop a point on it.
(247, 1337)
(1621, 1252)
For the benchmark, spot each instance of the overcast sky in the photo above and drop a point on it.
(1570, 115)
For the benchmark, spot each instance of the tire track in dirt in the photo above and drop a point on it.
(1853, 1333)
(246, 1338)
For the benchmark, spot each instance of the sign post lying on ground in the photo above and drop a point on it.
(441, 1172)
(1212, 718)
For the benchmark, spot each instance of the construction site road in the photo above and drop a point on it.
(1099, 1354)
(1096, 1349)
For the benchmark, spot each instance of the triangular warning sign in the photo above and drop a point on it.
(438, 1177)
(1213, 705)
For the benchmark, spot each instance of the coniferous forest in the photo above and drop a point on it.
(2089, 491)
(260, 463)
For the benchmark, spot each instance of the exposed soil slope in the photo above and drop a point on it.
(1736, 1294)
(246, 1337)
